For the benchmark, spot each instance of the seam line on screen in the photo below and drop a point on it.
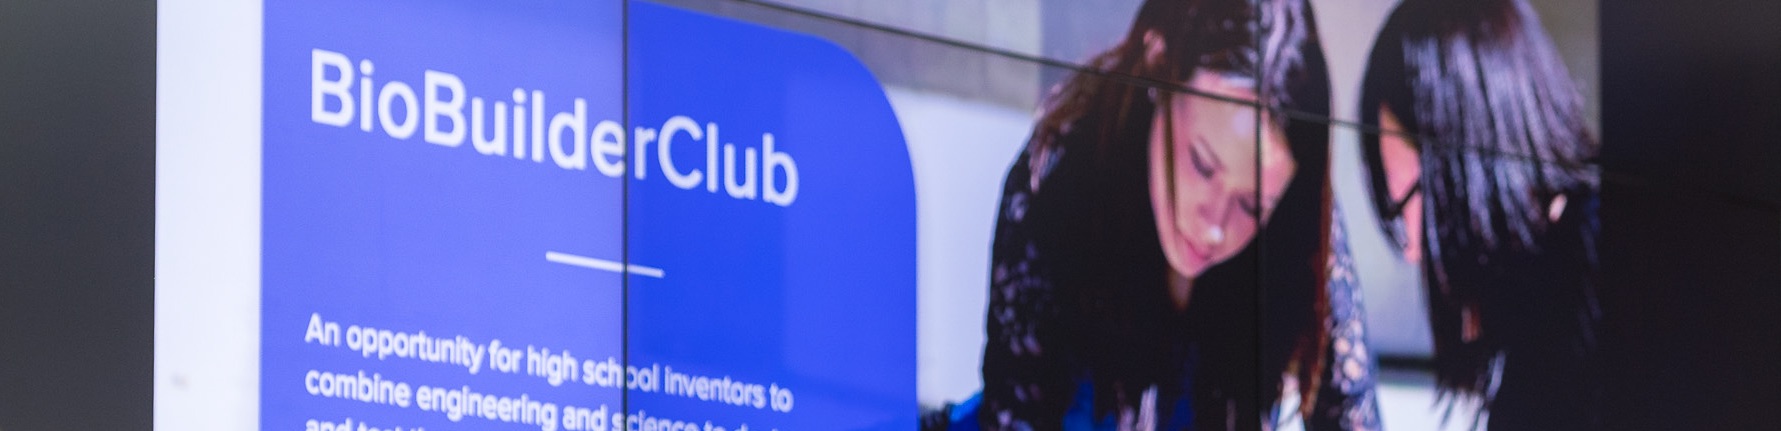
(1261, 257)
(1129, 79)
(1061, 64)
(624, 235)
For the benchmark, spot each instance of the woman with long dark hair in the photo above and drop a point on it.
(1481, 175)
(1126, 290)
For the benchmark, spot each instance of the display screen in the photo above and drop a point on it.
(834, 215)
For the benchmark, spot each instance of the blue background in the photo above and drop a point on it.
(406, 235)
(818, 296)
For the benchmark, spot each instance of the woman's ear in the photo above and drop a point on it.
(1153, 49)
(1556, 208)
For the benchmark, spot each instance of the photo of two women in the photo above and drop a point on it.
(1295, 214)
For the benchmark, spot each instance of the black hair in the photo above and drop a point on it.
(1501, 131)
(1091, 218)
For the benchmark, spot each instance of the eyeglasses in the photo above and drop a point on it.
(1392, 214)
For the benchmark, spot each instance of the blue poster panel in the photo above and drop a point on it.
(447, 232)
(439, 251)
(773, 199)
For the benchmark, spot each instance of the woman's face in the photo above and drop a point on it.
(1204, 174)
(1402, 163)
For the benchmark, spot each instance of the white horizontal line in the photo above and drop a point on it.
(602, 264)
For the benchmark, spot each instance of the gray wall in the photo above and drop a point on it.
(77, 201)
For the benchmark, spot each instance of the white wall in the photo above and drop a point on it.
(207, 215)
(960, 149)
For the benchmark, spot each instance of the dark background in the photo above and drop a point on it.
(77, 214)
(1691, 214)
(1691, 237)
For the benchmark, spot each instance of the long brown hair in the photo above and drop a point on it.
(1245, 328)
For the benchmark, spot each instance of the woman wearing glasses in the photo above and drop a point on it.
(1481, 177)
